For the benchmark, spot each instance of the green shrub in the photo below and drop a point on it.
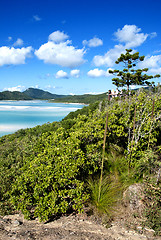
(44, 170)
(153, 204)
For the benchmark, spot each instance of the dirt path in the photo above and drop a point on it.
(74, 227)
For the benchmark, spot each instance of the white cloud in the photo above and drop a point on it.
(50, 87)
(61, 74)
(99, 73)
(9, 39)
(36, 86)
(94, 42)
(58, 37)
(153, 35)
(19, 88)
(75, 73)
(96, 73)
(157, 51)
(84, 42)
(14, 56)
(153, 61)
(110, 57)
(130, 35)
(36, 18)
(94, 93)
(155, 70)
(61, 54)
(19, 42)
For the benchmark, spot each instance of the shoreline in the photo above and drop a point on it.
(87, 104)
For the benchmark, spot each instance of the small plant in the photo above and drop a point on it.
(108, 195)
(153, 204)
(147, 164)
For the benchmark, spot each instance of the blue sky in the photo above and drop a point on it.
(67, 47)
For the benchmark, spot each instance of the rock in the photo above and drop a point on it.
(149, 231)
(133, 197)
(67, 227)
(16, 223)
(1, 227)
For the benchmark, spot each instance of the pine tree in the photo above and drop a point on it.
(130, 75)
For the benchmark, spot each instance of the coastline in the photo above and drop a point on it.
(29, 114)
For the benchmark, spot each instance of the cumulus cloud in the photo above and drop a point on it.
(99, 73)
(61, 74)
(96, 73)
(36, 18)
(75, 73)
(62, 53)
(13, 55)
(94, 42)
(153, 63)
(58, 37)
(18, 88)
(19, 42)
(110, 57)
(128, 37)
(155, 71)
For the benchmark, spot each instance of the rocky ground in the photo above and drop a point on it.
(125, 225)
(74, 227)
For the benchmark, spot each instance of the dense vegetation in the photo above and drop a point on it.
(86, 98)
(35, 93)
(60, 167)
(7, 95)
(29, 94)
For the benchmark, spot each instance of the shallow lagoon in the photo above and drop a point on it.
(15, 115)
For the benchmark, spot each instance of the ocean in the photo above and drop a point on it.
(15, 115)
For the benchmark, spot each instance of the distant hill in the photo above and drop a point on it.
(41, 94)
(7, 95)
(86, 98)
(34, 93)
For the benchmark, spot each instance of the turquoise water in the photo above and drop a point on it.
(15, 115)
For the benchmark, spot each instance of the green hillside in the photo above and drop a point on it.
(7, 95)
(61, 167)
(34, 93)
(86, 98)
(41, 94)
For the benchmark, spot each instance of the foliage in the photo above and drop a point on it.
(44, 171)
(109, 195)
(7, 95)
(148, 163)
(86, 98)
(35, 93)
(153, 204)
(130, 75)
(104, 198)
(49, 181)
